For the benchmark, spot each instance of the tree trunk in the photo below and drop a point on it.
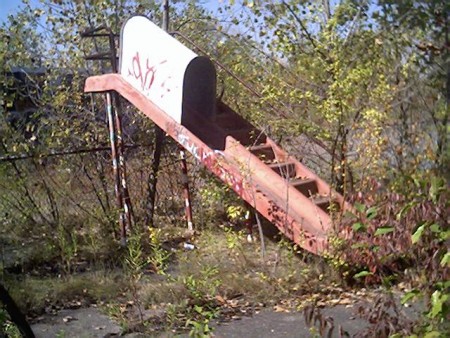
(16, 316)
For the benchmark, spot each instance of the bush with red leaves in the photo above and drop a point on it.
(390, 231)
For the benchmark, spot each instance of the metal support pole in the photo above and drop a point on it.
(187, 197)
(166, 11)
(126, 200)
(249, 221)
(117, 187)
(184, 172)
(153, 177)
(114, 110)
(159, 142)
(119, 134)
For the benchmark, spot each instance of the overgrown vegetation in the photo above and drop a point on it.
(358, 89)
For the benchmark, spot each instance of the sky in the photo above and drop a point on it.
(10, 7)
(7, 7)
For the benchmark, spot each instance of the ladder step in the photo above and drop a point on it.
(285, 169)
(247, 136)
(307, 186)
(324, 203)
(264, 152)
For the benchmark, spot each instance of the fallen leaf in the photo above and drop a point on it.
(334, 301)
(345, 301)
(278, 308)
(67, 319)
(220, 299)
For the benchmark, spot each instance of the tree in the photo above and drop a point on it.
(344, 74)
(64, 118)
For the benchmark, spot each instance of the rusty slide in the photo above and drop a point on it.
(175, 88)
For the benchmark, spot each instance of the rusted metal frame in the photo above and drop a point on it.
(323, 187)
(186, 193)
(315, 219)
(117, 110)
(247, 86)
(115, 133)
(115, 164)
(221, 164)
(152, 181)
(159, 138)
(158, 148)
(102, 35)
(184, 169)
(128, 210)
(91, 33)
(250, 219)
(249, 213)
(263, 200)
(99, 56)
(166, 12)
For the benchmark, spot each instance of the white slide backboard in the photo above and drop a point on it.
(155, 63)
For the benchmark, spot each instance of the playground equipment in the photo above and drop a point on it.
(176, 89)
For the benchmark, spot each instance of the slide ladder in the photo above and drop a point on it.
(176, 89)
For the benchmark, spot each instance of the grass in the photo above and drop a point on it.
(188, 293)
(76, 262)
(240, 271)
(36, 294)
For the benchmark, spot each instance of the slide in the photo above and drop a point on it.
(176, 89)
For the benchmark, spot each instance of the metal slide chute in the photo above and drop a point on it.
(165, 71)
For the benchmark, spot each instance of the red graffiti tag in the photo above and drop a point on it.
(145, 75)
(163, 86)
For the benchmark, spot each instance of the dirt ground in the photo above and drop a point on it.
(275, 321)
(265, 321)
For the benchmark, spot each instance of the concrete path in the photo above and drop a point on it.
(269, 324)
(90, 322)
(79, 323)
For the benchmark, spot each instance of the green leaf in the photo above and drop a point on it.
(443, 285)
(446, 260)
(359, 207)
(432, 334)
(437, 300)
(383, 231)
(435, 188)
(415, 237)
(444, 235)
(404, 210)
(358, 226)
(349, 214)
(372, 212)
(435, 228)
(396, 335)
(410, 295)
(363, 274)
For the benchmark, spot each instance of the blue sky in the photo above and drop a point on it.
(7, 7)
(10, 7)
